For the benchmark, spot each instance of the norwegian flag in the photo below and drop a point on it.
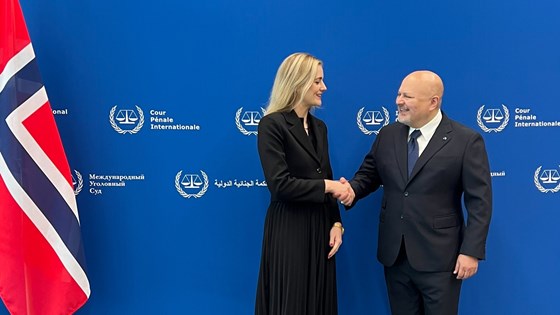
(42, 266)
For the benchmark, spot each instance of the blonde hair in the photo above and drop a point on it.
(294, 77)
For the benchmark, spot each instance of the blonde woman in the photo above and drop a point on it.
(303, 229)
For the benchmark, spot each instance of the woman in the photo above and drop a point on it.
(303, 230)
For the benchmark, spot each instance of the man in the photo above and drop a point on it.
(425, 243)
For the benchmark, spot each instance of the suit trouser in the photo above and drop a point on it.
(413, 292)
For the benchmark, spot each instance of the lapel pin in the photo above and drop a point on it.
(444, 138)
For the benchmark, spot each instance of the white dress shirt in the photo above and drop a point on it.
(427, 131)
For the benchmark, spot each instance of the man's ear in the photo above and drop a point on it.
(434, 101)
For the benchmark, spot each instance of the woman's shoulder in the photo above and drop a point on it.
(318, 120)
(274, 116)
(272, 120)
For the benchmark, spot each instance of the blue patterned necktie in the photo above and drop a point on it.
(413, 150)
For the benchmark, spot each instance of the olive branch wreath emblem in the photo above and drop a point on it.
(238, 122)
(540, 187)
(486, 129)
(80, 179)
(361, 126)
(122, 131)
(183, 193)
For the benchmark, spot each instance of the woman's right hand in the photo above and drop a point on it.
(341, 190)
(336, 188)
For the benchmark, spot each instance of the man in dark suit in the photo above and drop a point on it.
(426, 163)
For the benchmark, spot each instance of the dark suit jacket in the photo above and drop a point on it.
(293, 169)
(426, 209)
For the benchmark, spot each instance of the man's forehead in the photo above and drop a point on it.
(410, 86)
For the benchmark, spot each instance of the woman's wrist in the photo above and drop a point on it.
(328, 186)
(339, 225)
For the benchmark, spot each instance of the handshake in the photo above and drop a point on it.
(341, 190)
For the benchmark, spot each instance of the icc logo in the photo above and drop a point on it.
(192, 183)
(492, 119)
(127, 119)
(77, 182)
(546, 179)
(373, 120)
(250, 120)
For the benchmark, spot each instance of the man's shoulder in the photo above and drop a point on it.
(392, 128)
(462, 128)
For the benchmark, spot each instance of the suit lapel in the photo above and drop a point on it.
(320, 135)
(441, 137)
(401, 149)
(297, 130)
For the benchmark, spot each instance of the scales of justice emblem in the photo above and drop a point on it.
(126, 118)
(547, 177)
(491, 117)
(372, 118)
(249, 119)
(191, 182)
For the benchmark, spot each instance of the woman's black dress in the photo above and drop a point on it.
(296, 278)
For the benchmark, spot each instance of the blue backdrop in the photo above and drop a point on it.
(157, 104)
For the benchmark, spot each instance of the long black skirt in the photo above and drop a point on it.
(295, 277)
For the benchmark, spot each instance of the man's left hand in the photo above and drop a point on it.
(466, 267)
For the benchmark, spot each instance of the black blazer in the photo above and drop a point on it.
(293, 169)
(426, 209)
